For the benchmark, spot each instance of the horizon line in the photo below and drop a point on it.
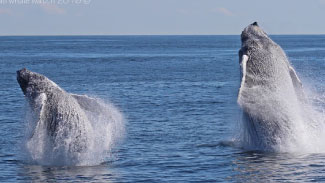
(40, 35)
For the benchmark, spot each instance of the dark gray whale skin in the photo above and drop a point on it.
(269, 88)
(58, 110)
(266, 58)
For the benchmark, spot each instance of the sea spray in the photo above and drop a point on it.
(105, 131)
(309, 132)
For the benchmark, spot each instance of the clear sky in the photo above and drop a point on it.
(147, 17)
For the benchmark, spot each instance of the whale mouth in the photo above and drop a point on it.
(23, 79)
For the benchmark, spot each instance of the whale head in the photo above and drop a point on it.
(33, 84)
(253, 33)
(260, 56)
(254, 39)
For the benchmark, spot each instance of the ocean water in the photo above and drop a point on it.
(178, 95)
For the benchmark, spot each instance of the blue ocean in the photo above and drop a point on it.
(178, 96)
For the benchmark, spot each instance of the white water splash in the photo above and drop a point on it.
(105, 130)
(304, 132)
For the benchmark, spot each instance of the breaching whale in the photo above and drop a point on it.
(270, 93)
(64, 123)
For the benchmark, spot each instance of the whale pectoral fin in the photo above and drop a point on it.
(88, 103)
(243, 63)
(296, 82)
(39, 106)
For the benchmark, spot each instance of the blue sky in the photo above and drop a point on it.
(148, 17)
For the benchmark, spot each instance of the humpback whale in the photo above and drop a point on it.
(64, 123)
(270, 93)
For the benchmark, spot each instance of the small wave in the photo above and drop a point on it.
(224, 143)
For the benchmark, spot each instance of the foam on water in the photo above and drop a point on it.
(104, 131)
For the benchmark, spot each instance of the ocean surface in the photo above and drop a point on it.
(178, 95)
